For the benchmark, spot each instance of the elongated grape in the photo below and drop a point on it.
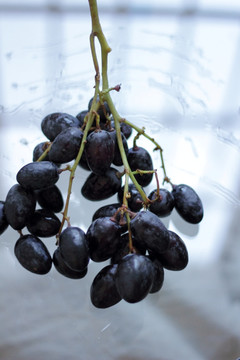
(38, 175)
(187, 203)
(134, 277)
(64, 269)
(163, 205)
(19, 206)
(103, 291)
(50, 198)
(54, 123)
(43, 223)
(140, 159)
(158, 275)
(33, 254)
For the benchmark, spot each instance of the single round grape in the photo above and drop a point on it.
(158, 275)
(135, 201)
(163, 205)
(103, 291)
(73, 248)
(176, 256)
(140, 159)
(150, 231)
(66, 145)
(50, 198)
(3, 219)
(43, 223)
(103, 110)
(19, 206)
(117, 159)
(103, 236)
(38, 175)
(55, 123)
(134, 277)
(65, 270)
(101, 187)
(99, 151)
(187, 203)
(33, 254)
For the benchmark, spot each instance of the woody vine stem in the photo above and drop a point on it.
(100, 96)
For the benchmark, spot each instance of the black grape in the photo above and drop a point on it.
(164, 205)
(33, 255)
(106, 210)
(73, 248)
(19, 206)
(43, 223)
(55, 123)
(125, 128)
(150, 231)
(140, 159)
(117, 159)
(123, 248)
(80, 116)
(3, 219)
(39, 150)
(176, 256)
(101, 187)
(102, 111)
(187, 203)
(158, 275)
(134, 277)
(65, 270)
(50, 198)
(103, 292)
(66, 145)
(38, 175)
(103, 236)
(135, 201)
(99, 151)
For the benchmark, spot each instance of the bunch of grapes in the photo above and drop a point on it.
(129, 233)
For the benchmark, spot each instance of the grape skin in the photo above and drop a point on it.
(64, 269)
(43, 223)
(50, 198)
(55, 123)
(140, 159)
(3, 220)
(164, 205)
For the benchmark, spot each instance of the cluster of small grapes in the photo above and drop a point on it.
(129, 233)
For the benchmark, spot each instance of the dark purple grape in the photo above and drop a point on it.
(38, 175)
(150, 231)
(43, 223)
(81, 116)
(187, 203)
(3, 219)
(65, 146)
(140, 159)
(103, 292)
(101, 187)
(65, 270)
(135, 201)
(123, 248)
(55, 123)
(106, 210)
(158, 275)
(117, 159)
(33, 255)
(39, 150)
(50, 198)
(103, 236)
(134, 277)
(19, 206)
(103, 110)
(83, 162)
(99, 151)
(73, 248)
(176, 256)
(164, 205)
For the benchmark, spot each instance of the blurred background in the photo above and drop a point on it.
(178, 64)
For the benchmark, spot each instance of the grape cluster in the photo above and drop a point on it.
(129, 233)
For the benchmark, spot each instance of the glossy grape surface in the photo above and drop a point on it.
(54, 123)
(50, 198)
(158, 275)
(187, 203)
(43, 223)
(33, 255)
(140, 159)
(135, 201)
(19, 206)
(101, 187)
(64, 269)
(164, 205)
(38, 175)
(65, 146)
(123, 248)
(134, 277)
(106, 210)
(102, 111)
(117, 159)
(150, 231)
(103, 291)
(103, 236)
(73, 248)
